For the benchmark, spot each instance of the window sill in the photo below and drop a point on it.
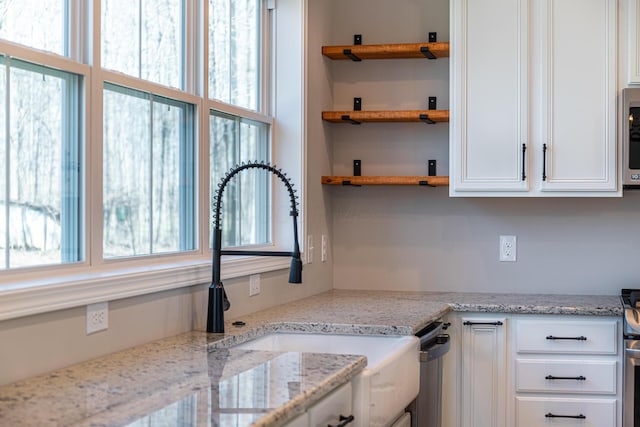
(45, 295)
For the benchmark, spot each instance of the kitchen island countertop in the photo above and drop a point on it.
(196, 379)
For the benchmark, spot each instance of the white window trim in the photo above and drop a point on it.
(46, 289)
(44, 295)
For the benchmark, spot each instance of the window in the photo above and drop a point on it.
(41, 24)
(234, 52)
(117, 120)
(148, 174)
(40, 152)
(237, 68)
(245, 204)
(145, 39)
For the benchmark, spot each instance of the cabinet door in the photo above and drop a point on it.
(633, 28)
(577, 111)
(484, 372)
(489, 119)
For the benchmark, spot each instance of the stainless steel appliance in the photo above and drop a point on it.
(631, 379)
(426, 410)
(630, 133)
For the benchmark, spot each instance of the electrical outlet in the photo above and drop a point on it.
(323, 255)
(310, 249)
(508, 248)
(254, 285)
(97, 317)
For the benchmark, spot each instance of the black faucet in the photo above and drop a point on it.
(218, 301)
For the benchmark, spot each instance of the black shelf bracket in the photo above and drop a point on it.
(348, 183)
(431, 168)
(425, 184)
(433, 100)
(425, 118)
(427, 53)
(357, 104)
(433, 37)
(357, 167)
(357, 39)
(347, 118)
(351, 56)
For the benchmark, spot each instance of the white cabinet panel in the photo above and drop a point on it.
(633, 40)
(578, 93)
(329, 409)
(566, 336)
(484, 386)
(542, 412)
(490, 111)
(566, 376)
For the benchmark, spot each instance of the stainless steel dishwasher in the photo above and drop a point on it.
(426, 410)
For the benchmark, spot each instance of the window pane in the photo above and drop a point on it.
(35, 23)
(42, 162)
(246, 200)
(234, 52)
(149, 170)
(144, 38)
(126, 197)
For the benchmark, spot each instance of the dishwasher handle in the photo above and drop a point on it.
(436, 349)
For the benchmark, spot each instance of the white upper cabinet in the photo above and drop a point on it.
(533, 88)
(489, 108)
(633, 40)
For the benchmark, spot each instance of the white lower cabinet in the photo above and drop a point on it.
(532, 370)
(568, 371)
(475, 377)
(334, 409)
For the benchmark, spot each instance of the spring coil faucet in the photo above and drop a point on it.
(218, 301)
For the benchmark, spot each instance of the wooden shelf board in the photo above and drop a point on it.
(434, 181)
(387, 51)
(385, 116)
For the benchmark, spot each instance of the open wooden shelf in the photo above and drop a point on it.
(380, 116)
(432, 181)
(388, 51)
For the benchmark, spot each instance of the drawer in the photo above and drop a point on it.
(566, 336)
(543, 412)
(566, 376)
(329, 409)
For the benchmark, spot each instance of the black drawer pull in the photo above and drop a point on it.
(580, 378)
(578, 417)
(343, 421)
(580, 338)
(498, 323)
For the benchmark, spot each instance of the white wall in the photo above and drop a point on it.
(419, 238)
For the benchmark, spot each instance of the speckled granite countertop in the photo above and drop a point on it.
(403, 313)
(196, 379)
(177, 382)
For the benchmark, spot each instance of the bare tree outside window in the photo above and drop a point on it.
(41, 182)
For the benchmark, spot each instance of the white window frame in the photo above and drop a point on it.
(43, 289)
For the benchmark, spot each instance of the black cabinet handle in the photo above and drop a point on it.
(524, 157)
(343, 421)
(544, 162)
(578, 417)
(580, 338)
(580, 378)
(498, 323)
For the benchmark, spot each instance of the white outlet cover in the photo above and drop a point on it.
(254, 285)
(507, 248)
(97, 317)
